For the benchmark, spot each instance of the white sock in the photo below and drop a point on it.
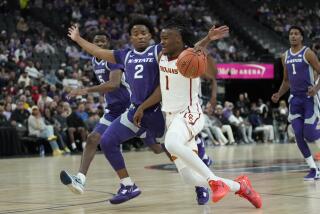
(205, 156)
(311, 162)
(191, 177)
(73, 145)
(84, 144)
(82, 177)
(126, 181)
(234, 186)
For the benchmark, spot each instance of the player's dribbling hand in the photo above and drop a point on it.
(275, 97)
(312, 90)
(137, 117)
(218, 33)
(73, 32)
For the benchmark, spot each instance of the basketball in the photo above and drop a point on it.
(192, 64)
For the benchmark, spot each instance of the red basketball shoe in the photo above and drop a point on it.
(246, 191)
(219, 190)
(317, 156)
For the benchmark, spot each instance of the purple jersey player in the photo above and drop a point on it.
(117, 97)
(142, 75)
(301, 66)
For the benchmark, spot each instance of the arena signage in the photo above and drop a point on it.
(245, 71)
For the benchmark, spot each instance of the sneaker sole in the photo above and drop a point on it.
(120, 202)
(310, 179)
(67, 180)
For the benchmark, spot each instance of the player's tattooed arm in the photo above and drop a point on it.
(210, 74)
(111, 85)
(315, 64)
(100, 53)
(152, 100)
(284, 85)
(213, 34)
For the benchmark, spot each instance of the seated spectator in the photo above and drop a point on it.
(28, 47)
(243, 104)
(256, 122)
(7, 110)
(73, 52)
(101, 102)
(90, 104)
(225, 124)
(76, 14)
(72, 81)
(44, 47)
(3, 56)
(246, 128)
(61, 135)
(81, 111)
(22, 25)
(35, 94)
(282, 119)
(52, 79)
(228, 113)
(63, 111)
(236, 124)
(3, 119)
(20, 52)
(77, 126)
(91, 24)
(43, 99)
(52, 91)
(21, 63)
(38, 128)
(19, 118)
(212, 127)
(39, 67)
(24, 78)
(33, 72)
(24, 99)
(103, 20)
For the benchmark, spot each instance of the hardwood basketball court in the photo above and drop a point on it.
(32, 185)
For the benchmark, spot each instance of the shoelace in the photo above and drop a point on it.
(123, 190)
(78, 180)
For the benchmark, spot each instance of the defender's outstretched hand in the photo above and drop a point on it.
(218, 33)
(73, 32)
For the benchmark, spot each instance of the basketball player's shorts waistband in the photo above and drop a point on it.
(156, 106)
(195, 108)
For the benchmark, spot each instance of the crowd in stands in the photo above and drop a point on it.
(280, 16)
(39, 66)
(245, 122)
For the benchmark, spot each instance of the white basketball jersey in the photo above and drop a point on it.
(178, 92)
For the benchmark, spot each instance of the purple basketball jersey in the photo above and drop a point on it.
(141, 71)
(300, 73)
(118, 100)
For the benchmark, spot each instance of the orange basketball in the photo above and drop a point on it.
(192, 64)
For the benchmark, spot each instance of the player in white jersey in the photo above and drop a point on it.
(184, 117)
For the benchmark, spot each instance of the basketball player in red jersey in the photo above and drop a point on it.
(184, 118)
